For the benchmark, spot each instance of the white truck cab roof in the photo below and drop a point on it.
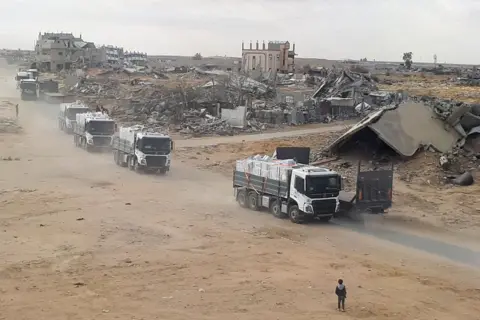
(151, 135)
(304, 171)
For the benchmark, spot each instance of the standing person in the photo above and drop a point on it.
(341, 292)
(16, 110)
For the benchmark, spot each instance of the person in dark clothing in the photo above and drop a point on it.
(341, 292)
(16, 110)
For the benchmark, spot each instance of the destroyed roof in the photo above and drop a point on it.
(405, 129)
(334, 84)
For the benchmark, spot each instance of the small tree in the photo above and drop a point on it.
(407, 58)
(197, 56)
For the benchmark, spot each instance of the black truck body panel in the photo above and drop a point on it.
(261, 184)
(300, 154)
(373, 192)
(374, 189)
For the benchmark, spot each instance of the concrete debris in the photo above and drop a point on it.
(465, 179)
(8, 125)
(403, 129)
(344, 84)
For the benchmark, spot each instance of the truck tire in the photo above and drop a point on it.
(253, 201)
(242, 198)
(276, 209)
(121, 156)
(163, 171)
(294, 214)
(130, 163)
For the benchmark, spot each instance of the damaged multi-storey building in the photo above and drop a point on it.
(274, 56)
(58, 51)
(135, 58)
(112, 55)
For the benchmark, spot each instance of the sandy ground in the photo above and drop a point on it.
(84, 239)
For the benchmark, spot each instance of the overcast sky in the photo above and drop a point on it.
(330, 29)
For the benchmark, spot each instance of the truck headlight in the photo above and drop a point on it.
(308, 208)
(143, 161)
(90, 141)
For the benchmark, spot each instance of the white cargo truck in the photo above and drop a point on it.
(142, 151)
(287, 188)
(93, 131)
(67, 117)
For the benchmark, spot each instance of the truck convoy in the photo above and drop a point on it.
(304, 192)
(67, 116)
(142, 151)
(28, 88)
(93, 131)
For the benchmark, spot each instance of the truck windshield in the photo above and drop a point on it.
(317, 186)
(72, 112)
(153, 145)
(28, 85)
(99, 127)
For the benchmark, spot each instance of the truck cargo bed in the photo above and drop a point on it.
(122, 145)
(261, 184)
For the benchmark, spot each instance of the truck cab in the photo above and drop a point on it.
(28, 89)
(68, 115)
(153, 150)
(315, 191)
(93, 131)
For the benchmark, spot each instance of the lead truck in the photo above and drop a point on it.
(28, 89)
(67, 117)
(93, 131)
(287, 188)
(142, 151)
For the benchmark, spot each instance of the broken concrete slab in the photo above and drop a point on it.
(404, 129)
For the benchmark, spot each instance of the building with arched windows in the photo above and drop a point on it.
(274, 56)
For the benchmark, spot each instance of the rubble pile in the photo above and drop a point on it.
(345, 84)
(190, 111)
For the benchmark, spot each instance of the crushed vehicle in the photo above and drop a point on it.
(28, 88)
(287, 187)
(93, 131)
(142, 151)
(67, 117)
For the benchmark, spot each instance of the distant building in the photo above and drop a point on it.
(275, 56)
(57, 51)
(134, 58)
(111, 55)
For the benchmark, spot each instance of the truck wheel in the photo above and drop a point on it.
(294, 214)
(242, 198)
(276, 209)
(163, 171)
(253, 201)
(130, 163)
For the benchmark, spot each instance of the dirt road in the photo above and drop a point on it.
(84, 239)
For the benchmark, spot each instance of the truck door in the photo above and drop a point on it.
(374, 189)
